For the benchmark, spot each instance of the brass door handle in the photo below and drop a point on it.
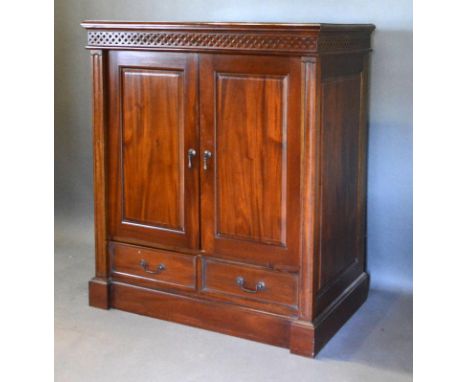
(258, 287)
(191, 153)
(206, 155)
(144, 264)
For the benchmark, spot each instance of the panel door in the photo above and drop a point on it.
(153, 186)
(251, 124)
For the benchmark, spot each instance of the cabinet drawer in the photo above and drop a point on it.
(152, 268)
(251, 284)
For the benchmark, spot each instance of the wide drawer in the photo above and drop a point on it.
(253, 286)
(152, 268)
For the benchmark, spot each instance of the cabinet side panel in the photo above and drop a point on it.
(341, 213)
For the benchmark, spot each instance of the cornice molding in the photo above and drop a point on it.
(338, 41)
(280, 40)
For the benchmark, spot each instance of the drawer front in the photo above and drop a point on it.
(251, 285)
(152, 268)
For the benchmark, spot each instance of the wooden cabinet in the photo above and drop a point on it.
(230, 175)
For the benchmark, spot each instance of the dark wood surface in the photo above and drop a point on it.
(152, 147)
(340, 121)
(224, 318)
(310, 182)
(271, 38)
(153, 268)
(250, 190)
(342, 216)
(265, 238)
(100, 142)
(153, 194)
(279, 293)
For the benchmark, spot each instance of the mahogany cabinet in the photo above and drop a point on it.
(230, 175)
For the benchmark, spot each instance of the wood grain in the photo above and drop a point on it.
(253, 38)
(99, 293)
(154, 196)
(179, 270)
(99, 70)
(250, 161)
(310, 187)
(153, 147)
(281, 201)
(340, 119)
(224, 318)
(250, 193)
(280, 287)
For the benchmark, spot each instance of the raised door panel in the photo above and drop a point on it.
(152, 148)
(253, 182)
(250, 187)
(154, 193)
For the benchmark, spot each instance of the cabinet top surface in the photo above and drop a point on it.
(128, 25)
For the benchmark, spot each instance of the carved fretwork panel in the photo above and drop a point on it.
(277, 42)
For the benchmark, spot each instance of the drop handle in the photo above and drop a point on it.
(160, 268)
(191, 153)
(206, 155)
(258, 287)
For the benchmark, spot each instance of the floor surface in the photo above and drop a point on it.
(99, 345)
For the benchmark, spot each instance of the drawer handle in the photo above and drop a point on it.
(259, 287)
(144, 264)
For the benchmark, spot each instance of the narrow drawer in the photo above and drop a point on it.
(152, 268)
(250, 284)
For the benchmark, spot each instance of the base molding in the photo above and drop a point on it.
(99, 293)
(220, 317)
(340, 310)
(302, 338)
(308, 338)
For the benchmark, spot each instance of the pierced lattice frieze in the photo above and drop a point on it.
(158, 39)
